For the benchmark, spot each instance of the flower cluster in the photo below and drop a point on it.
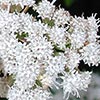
(37, 51)
(17, 2)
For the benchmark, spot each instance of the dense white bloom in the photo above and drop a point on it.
(19, 59)
(93, 25)
(58, 36)
(40, 47)
(54, 66)
(16, 2)
(61, 17)
(45, 9)
(73, 59)
(11, 23)
(10, 48)
(91, 54)
(78, 32)
(36, 53)
(74, 82)
(15, 93)
(27, 75)
(83, 31)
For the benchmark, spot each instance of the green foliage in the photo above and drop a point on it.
(34, 87)
(38, 82)
(68, 3)
(68, 44)
(22, 35)
(49, 22)
(67, 69)
(57, 50)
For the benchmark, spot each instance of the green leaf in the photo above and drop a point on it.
(22, 35)
(57, 50)
(49, 22)
(38, 82)
(55, 53)
(68, 45)
(34, 87)
(68, 3)
(67, 69)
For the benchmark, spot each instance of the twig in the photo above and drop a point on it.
(26, 9)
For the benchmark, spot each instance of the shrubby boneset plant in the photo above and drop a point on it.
(38, 51)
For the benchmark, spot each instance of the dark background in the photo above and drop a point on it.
(82, 6)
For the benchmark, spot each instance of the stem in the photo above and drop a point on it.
(26, 9)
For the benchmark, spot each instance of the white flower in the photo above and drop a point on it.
(56, 65)
(78, 32)
(83, 30)
(93, 25)
(11, 23)
(16, 2)
(53, 67)
(58, 36)
(31, 50)
(40, 47)
(72, 59)
(27, 75)
(15, 93)
(61, 17)
(91, 54)
(74, 82)
(45, 9)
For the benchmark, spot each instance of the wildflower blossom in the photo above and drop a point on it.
(58, 36)
(16, 2)
(45, 9)
(16, 94)
(36, 52)
(90, 54)
(73, 59)
(73, 82)
(61, 17)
